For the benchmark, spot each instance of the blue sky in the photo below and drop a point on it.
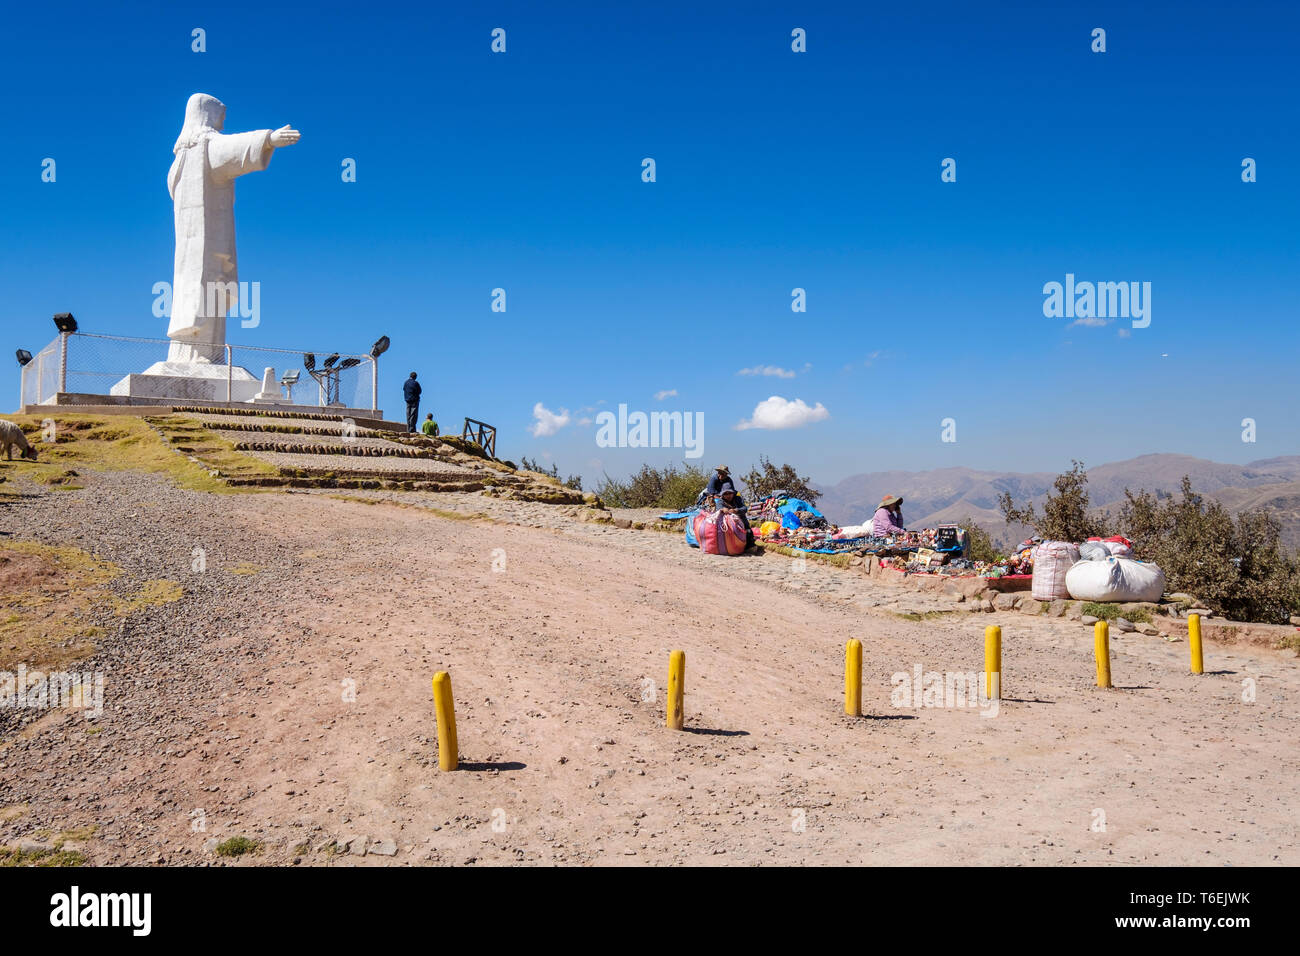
(775, 170)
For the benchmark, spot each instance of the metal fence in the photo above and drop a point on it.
(88, 363)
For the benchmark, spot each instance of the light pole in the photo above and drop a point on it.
(376, 350)
(66, 325)
(24, 359)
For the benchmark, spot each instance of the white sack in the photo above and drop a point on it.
(1115, 579)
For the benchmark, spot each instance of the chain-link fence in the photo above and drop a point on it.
(140, 368)
(40, 376)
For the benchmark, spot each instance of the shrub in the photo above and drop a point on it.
(1238, 568)
(573, 481)
(1065, 514)
(765, 478)
(237, 846)
(672, 488)
(981, 545)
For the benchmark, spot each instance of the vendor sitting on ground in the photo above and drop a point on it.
(733, 503)
(889, 517)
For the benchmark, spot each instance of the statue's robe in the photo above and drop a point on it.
(205, 282)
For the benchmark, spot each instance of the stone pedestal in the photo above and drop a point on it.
(196, 381)
(270, 393)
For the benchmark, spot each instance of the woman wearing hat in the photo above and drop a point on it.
(721, 475)
(888, 518)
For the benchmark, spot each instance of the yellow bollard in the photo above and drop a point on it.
(1101, 647)
(853, 678)
(677, 690)
(1194, 642)
(448, 752)
(993, 662)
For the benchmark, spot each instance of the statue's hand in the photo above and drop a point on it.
(285, 136)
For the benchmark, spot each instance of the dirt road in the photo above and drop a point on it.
(286, 698)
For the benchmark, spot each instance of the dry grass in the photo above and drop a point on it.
(49, 598)
(46, 603)
(127, 443)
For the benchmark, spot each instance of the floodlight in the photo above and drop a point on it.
(380, 347)
(64, 322)
(290, 377)
(309, 361)
(329, 362)
(23, 356)
(349, 363)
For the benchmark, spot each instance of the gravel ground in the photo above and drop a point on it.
(291, 704)
(290, 441)
(422, 468)
(334, 427)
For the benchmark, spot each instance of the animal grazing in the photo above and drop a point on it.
(11, 437)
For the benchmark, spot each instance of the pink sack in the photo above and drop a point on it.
(1051, 560)
(720, 533)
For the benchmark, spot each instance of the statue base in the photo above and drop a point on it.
(194, 381)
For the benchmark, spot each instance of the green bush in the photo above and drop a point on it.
(1238, 568)
(573, 481)
(1108, 612)
(765, 478)
(672, 488)
(237, 846)
(981, 545)
(1065, 514)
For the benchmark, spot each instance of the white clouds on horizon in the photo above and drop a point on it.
(548, 422)
(777, 413)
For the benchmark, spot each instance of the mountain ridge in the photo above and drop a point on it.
(941, 495)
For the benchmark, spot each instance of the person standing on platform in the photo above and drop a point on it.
(411, 392)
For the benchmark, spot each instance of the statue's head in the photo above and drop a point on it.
(204, 111)
(204, 115)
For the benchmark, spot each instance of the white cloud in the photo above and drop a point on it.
(548, 423)
(1091, 322)
(767, 370)
(778, 412)
(666, 393)
(1125, 333)
(584, 421)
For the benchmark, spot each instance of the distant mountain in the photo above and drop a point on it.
(950, 494)
(1283, 500)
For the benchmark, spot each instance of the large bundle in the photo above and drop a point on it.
(1115, 579)
(1052, 559)
(1093, 551)
(717, 532)
(1117, 545)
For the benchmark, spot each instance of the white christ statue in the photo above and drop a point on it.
(201, 181)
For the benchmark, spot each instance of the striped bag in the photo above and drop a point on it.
(719, 533)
